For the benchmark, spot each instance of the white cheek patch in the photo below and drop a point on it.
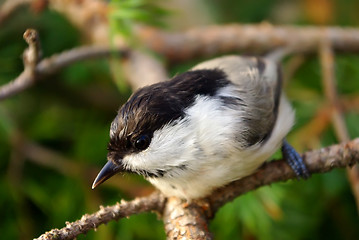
(166, 150)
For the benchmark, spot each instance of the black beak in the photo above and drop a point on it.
(106, 172)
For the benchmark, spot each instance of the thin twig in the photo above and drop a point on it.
(54, 63)
(154, 202)
(31, 57)
(326, 55)
(180, 215)
(328, 70)
(32, 54)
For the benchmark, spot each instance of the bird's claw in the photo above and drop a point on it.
(295, 161)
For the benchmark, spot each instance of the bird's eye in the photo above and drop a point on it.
(142, 142)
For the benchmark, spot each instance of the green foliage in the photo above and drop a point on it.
(127, 13)
(124, 16)
(67, 118)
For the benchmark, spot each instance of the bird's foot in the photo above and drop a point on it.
(295, 161)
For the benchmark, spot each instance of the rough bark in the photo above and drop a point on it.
(190, 220)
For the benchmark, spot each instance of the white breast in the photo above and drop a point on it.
(212, 158)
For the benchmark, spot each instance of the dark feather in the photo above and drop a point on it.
(152, 107)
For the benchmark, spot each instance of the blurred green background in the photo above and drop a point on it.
(53, 136)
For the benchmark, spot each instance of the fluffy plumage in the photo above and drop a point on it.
(209, 126)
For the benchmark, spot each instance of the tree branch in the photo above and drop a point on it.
(31, 57)
(252, 38)
(317, 161)
(33, 53)
(329, 82)
(36, 70)
(202, 42)
(153, 202)
(190, 219)
(210, 40)
(186, 220)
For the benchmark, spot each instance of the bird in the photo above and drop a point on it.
(213, 124)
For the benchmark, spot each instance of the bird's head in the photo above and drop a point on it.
(150, 131)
